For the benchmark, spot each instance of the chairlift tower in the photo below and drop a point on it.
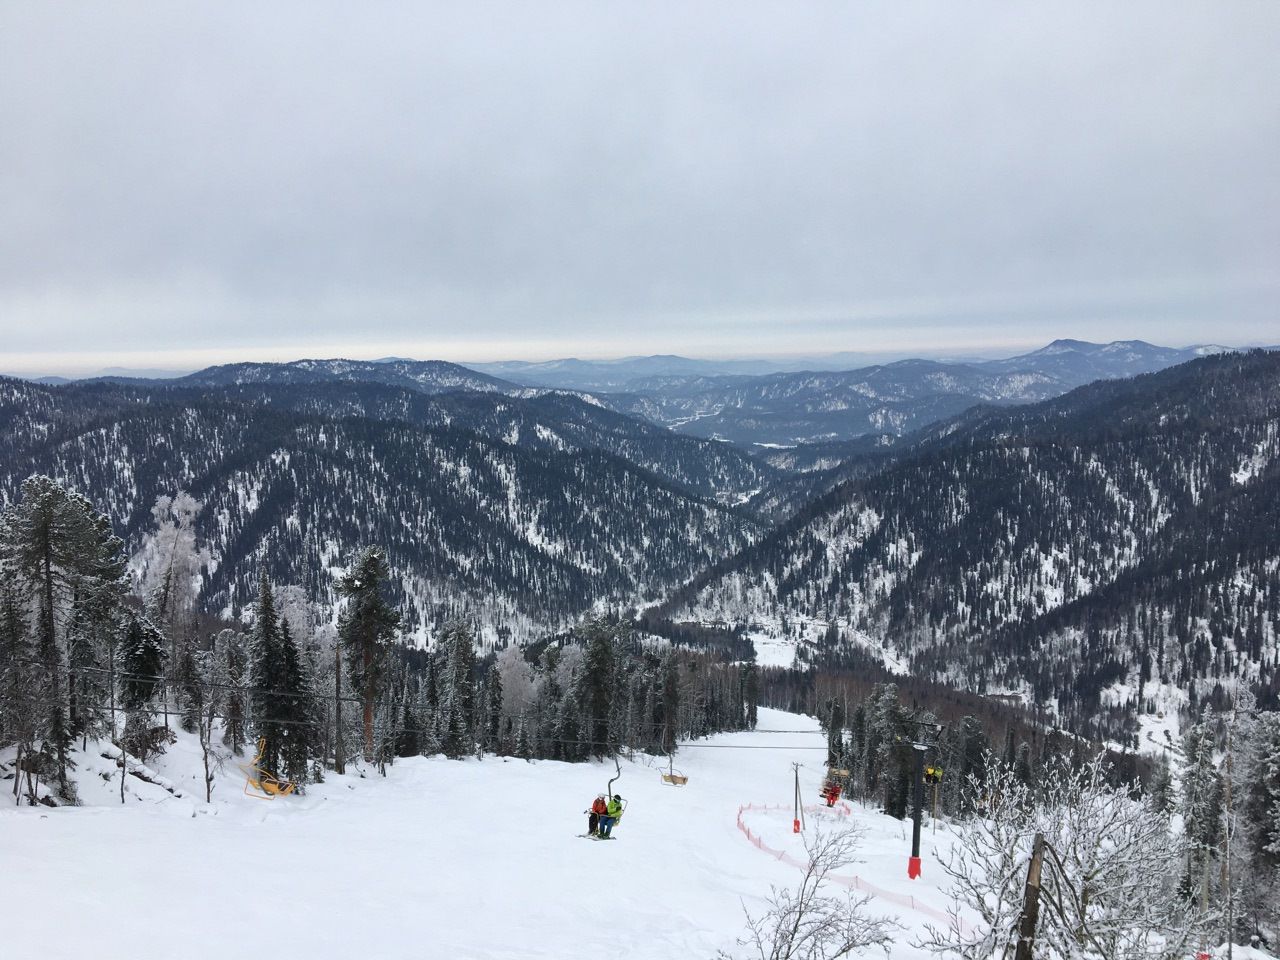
(925, 737)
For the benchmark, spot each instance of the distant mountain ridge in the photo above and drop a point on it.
(743, 402)
(897, 398)
(629, 374)
(426, 376)
(1082, 550)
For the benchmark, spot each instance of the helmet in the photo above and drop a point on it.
(618, 797)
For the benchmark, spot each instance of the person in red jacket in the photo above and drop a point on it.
(833, 793)
(598, 809)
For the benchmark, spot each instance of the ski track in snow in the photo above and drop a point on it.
(441, 859)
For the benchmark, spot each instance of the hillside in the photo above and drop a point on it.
(1083, 550)
(535, 420)
(525, 539)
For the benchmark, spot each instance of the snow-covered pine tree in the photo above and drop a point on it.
(92, 635)
(408, 727)
(572, 744)
(229, 648)
(967, 759)
(524, 744)
(597, 685)
(266, 674)
(63, 553)
(1202, 812)
(187, 677)
(366, 628)
(751, 692)
(293, 709)
(1256, 852)
(142, 659)
(1160, 788)
(491, 713)
(546, 708)
(18, 724)
(670, 672)
(456, 647)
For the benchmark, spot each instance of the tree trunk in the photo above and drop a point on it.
(368, 702)
(339, 762)
(1030, 902)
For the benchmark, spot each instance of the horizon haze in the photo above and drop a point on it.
(186, 186)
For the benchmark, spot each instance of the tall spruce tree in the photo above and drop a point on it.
(1202, 807)
(281, 691)
(67, 559)
(266, 676)
(17, 679)
(751, 692)
(493, 712)
(457, 694)
(232, 669)
(366, 628)
(293, 708)
(596, 693)
(142, 659)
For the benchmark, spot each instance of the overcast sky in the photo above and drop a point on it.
(188, 184)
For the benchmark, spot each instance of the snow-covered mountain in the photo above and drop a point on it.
(1122, 536)
(786, 408)
(751, 403)
(536, 420)
(427, 376)
(524, 537)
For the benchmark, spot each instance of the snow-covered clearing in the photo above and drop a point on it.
(450, 859)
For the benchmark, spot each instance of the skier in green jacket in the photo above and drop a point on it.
(612, 814)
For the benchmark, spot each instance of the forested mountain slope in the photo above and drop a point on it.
(523, 538)
(1127, 532)
(792, 408)
(542, 420)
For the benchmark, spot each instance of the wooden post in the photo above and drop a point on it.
(1030, 902)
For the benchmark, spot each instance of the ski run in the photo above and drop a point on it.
(448, 859)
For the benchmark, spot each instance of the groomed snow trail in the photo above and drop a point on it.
(440, 859)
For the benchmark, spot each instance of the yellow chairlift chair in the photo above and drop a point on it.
(260, 784)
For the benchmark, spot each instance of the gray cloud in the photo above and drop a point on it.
(634, 177)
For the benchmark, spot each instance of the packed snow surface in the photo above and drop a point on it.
(444, 859)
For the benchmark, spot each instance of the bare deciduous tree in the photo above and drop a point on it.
(1110, 880)
(810, 922)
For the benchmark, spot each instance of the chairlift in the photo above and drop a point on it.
(262, 785)
(835, 783)
(674, 776)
